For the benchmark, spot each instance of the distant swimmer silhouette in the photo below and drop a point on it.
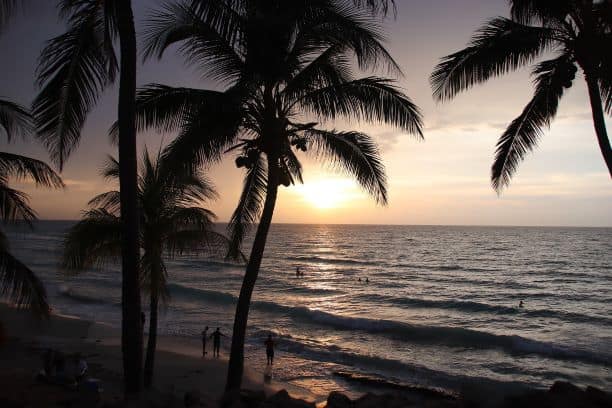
(367, 280)
(359, 279)
(216, 336)
(521, 304)
(204, 336)
(298, 273)
(269, 350)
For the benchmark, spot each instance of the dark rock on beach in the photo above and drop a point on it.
(562, 395)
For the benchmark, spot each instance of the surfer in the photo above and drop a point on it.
(269, 350)
(216, 336)
(204, 336)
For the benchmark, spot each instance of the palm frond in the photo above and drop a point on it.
(20, 285)
(15, 205)
(293, 165)
(7, 9)
(110, 169)
(15, 120)
(199, 242)
(382, 7)
(369, 99)
(500, 46)
(93, 241)
(208, 32)
(343, 24)
(22, 167)
(330, 67)
(356, 154)
(109, 201)
(164, 108)
(605, 81)
(521, 136)
(73, 70)
(539, 11)
(205, 135)
(249, 206)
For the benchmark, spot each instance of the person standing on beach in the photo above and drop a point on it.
(269, 350)
(216, 336)
(204, 336)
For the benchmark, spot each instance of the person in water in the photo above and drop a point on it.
(216, 336)
(367, 280)
(298, 273)
(521, 304)
(269, 350)
(204, 336)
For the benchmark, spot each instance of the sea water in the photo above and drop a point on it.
(430, 306)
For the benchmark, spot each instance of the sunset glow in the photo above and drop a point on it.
(327, 194)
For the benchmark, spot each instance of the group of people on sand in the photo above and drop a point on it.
(216, 336)
(61, 369)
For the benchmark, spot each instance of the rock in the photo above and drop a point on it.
(192, 399)
(338, 400)
(282, 399)
(599, 397)
(252, 399)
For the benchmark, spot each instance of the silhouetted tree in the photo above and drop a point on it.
(281, 61)
(172, 223)
(19, 283)
(75, 67)
(578, 32)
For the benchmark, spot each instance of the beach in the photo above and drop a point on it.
(179, 368)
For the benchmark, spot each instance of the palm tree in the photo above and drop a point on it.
(172, 223)
(578, 32)
(75, 67)
(280, 62)
(19, 283)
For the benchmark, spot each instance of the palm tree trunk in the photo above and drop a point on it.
(131, 329)
(152, 342)
(599, 120)
(236, 361)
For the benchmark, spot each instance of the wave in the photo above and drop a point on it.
(470, 306)
(380, 371)
(177, 290)
(441, 335)
(73, 294)
(335, 261)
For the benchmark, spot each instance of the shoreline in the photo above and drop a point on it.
(179, 367)
(180, 371)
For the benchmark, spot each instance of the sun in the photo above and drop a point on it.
(328, 193)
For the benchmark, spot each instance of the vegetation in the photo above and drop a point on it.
(18, 282)
(280, 62)
(172, 223)
(578, 32)
(75, 67)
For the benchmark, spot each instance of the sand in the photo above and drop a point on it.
(178, 368)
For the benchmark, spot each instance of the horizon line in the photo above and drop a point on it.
(399, 225)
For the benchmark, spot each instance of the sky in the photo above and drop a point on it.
(443, 180)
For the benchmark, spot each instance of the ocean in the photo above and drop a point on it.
(439, 308)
